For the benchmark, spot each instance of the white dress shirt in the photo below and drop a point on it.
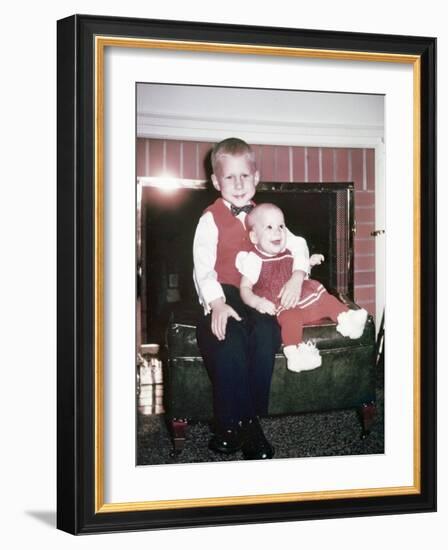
(205, 245)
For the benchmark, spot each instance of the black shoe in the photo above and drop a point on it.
(256, 446)
(227, 441)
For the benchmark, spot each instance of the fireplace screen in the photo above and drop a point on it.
(321, 213)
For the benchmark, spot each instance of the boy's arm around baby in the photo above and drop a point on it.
(249, 265)
(262, 305)
(291, 291)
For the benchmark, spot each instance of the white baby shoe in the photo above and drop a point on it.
(351, 323)
(305, 356)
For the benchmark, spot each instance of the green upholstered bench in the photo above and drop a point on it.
(346, 379)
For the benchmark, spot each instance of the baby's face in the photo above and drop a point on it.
(269, 231)
(236, 178)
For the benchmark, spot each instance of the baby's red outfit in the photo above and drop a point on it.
(273, 272)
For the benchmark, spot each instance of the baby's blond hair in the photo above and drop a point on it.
(251, 218)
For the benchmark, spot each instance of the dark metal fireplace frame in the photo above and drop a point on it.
(161, 237)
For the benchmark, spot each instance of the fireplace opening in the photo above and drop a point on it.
(321, 213)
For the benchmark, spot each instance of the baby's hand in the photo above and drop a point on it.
(266, 306)
(316, 259)
(291, 291)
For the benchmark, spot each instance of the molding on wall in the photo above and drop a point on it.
(261, 132)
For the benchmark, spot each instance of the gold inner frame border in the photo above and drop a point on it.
(100, 43)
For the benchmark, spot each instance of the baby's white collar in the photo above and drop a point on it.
(269, 255)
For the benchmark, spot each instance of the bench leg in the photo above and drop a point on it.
(178, 428)
(367, 413)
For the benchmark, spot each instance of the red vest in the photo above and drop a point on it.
(232, 237)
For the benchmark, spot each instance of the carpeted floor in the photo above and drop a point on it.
(314, 434)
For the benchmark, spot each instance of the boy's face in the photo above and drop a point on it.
(236, 178)
(269, 231)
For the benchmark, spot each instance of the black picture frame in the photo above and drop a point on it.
(80, 507)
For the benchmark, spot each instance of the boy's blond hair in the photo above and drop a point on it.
(231, 146)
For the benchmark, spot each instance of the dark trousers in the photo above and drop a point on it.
(240, 367)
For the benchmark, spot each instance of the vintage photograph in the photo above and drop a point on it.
(225, 193)
(260, 245)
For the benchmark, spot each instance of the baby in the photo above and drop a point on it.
(264, 271)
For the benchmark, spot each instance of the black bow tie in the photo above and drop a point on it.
(237, 210)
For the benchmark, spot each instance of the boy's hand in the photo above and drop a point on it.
(292, 290)
(316, 259)
(220, 314)
(266, 306)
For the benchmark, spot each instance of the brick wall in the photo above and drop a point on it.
(186, 159)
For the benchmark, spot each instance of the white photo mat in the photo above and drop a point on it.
(123, 481)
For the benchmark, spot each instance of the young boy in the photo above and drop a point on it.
(264, 270)
(238, 343)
